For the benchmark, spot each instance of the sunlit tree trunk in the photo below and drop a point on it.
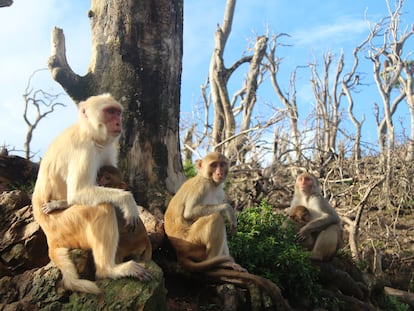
(137, 57)
(408, 87)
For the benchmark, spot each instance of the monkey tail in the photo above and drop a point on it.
(70, 277)
(205, 265)
(245, 278)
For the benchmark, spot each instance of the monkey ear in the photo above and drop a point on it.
(199, 163)
(83, 111)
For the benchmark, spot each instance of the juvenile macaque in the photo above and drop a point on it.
(300, 216)
(68, 173)
(194, 221)
(131, 245)
(324, 224)
(110, 176)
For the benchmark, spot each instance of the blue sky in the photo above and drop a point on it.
(314, 26)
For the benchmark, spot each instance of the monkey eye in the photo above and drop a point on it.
(113, 110)
(213, 165)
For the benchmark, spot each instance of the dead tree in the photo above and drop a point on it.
(385, 47)
(137, 57)
(38, 99)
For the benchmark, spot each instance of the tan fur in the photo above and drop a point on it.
(300, 216)
(68, 173)
(194, 222)
(195, 225)
(135, 244)
(324, 222)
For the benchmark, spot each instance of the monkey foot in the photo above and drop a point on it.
(140, 272)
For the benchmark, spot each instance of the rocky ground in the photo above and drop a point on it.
(28, 282)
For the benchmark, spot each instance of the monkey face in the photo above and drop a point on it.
(305, 183)
(112, 120)
(218, 170)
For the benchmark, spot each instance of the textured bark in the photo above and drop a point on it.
(137, 57)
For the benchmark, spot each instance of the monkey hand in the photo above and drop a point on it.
(51, 206)
(131, 213)
(232, 218)
(302, 234)
(47, 208)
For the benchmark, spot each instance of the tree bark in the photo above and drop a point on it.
(137, 57)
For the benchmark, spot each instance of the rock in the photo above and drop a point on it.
(39, 289)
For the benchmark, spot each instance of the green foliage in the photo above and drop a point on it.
(265, 248)
(27, 187)
(189, 169)
(391, 303)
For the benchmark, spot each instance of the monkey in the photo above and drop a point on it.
(194, 221)
(110, 176)
(68, 172)
(300, 216)
(324, 224)
(136, 245)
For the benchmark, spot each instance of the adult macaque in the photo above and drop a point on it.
(68, 172)
(300, 216)
(108, 176)
(324, 223)
(194, 221)
(134, 244)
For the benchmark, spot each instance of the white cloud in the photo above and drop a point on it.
(334, 34)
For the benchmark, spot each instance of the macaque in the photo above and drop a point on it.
(134, 245)
(110, 176)
(300, 216)
(194, 221)
(68, 173)
(324, 224)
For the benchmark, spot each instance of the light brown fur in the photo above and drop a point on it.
(300, 216)
(194, 221)
(68, 173)
(324, 222)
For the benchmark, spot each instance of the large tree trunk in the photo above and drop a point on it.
(137, 57)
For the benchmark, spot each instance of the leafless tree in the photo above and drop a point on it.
(407, 84)
(350, 82)
(235, 129)
(328, 99)
(224, 122)
(38, 99)
(287, 98)
(385, 50)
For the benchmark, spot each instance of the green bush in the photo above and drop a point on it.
(189, 169)
(265, 248)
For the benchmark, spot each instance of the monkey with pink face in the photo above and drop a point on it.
(87, 217)
(195, 225)
(324, 224)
